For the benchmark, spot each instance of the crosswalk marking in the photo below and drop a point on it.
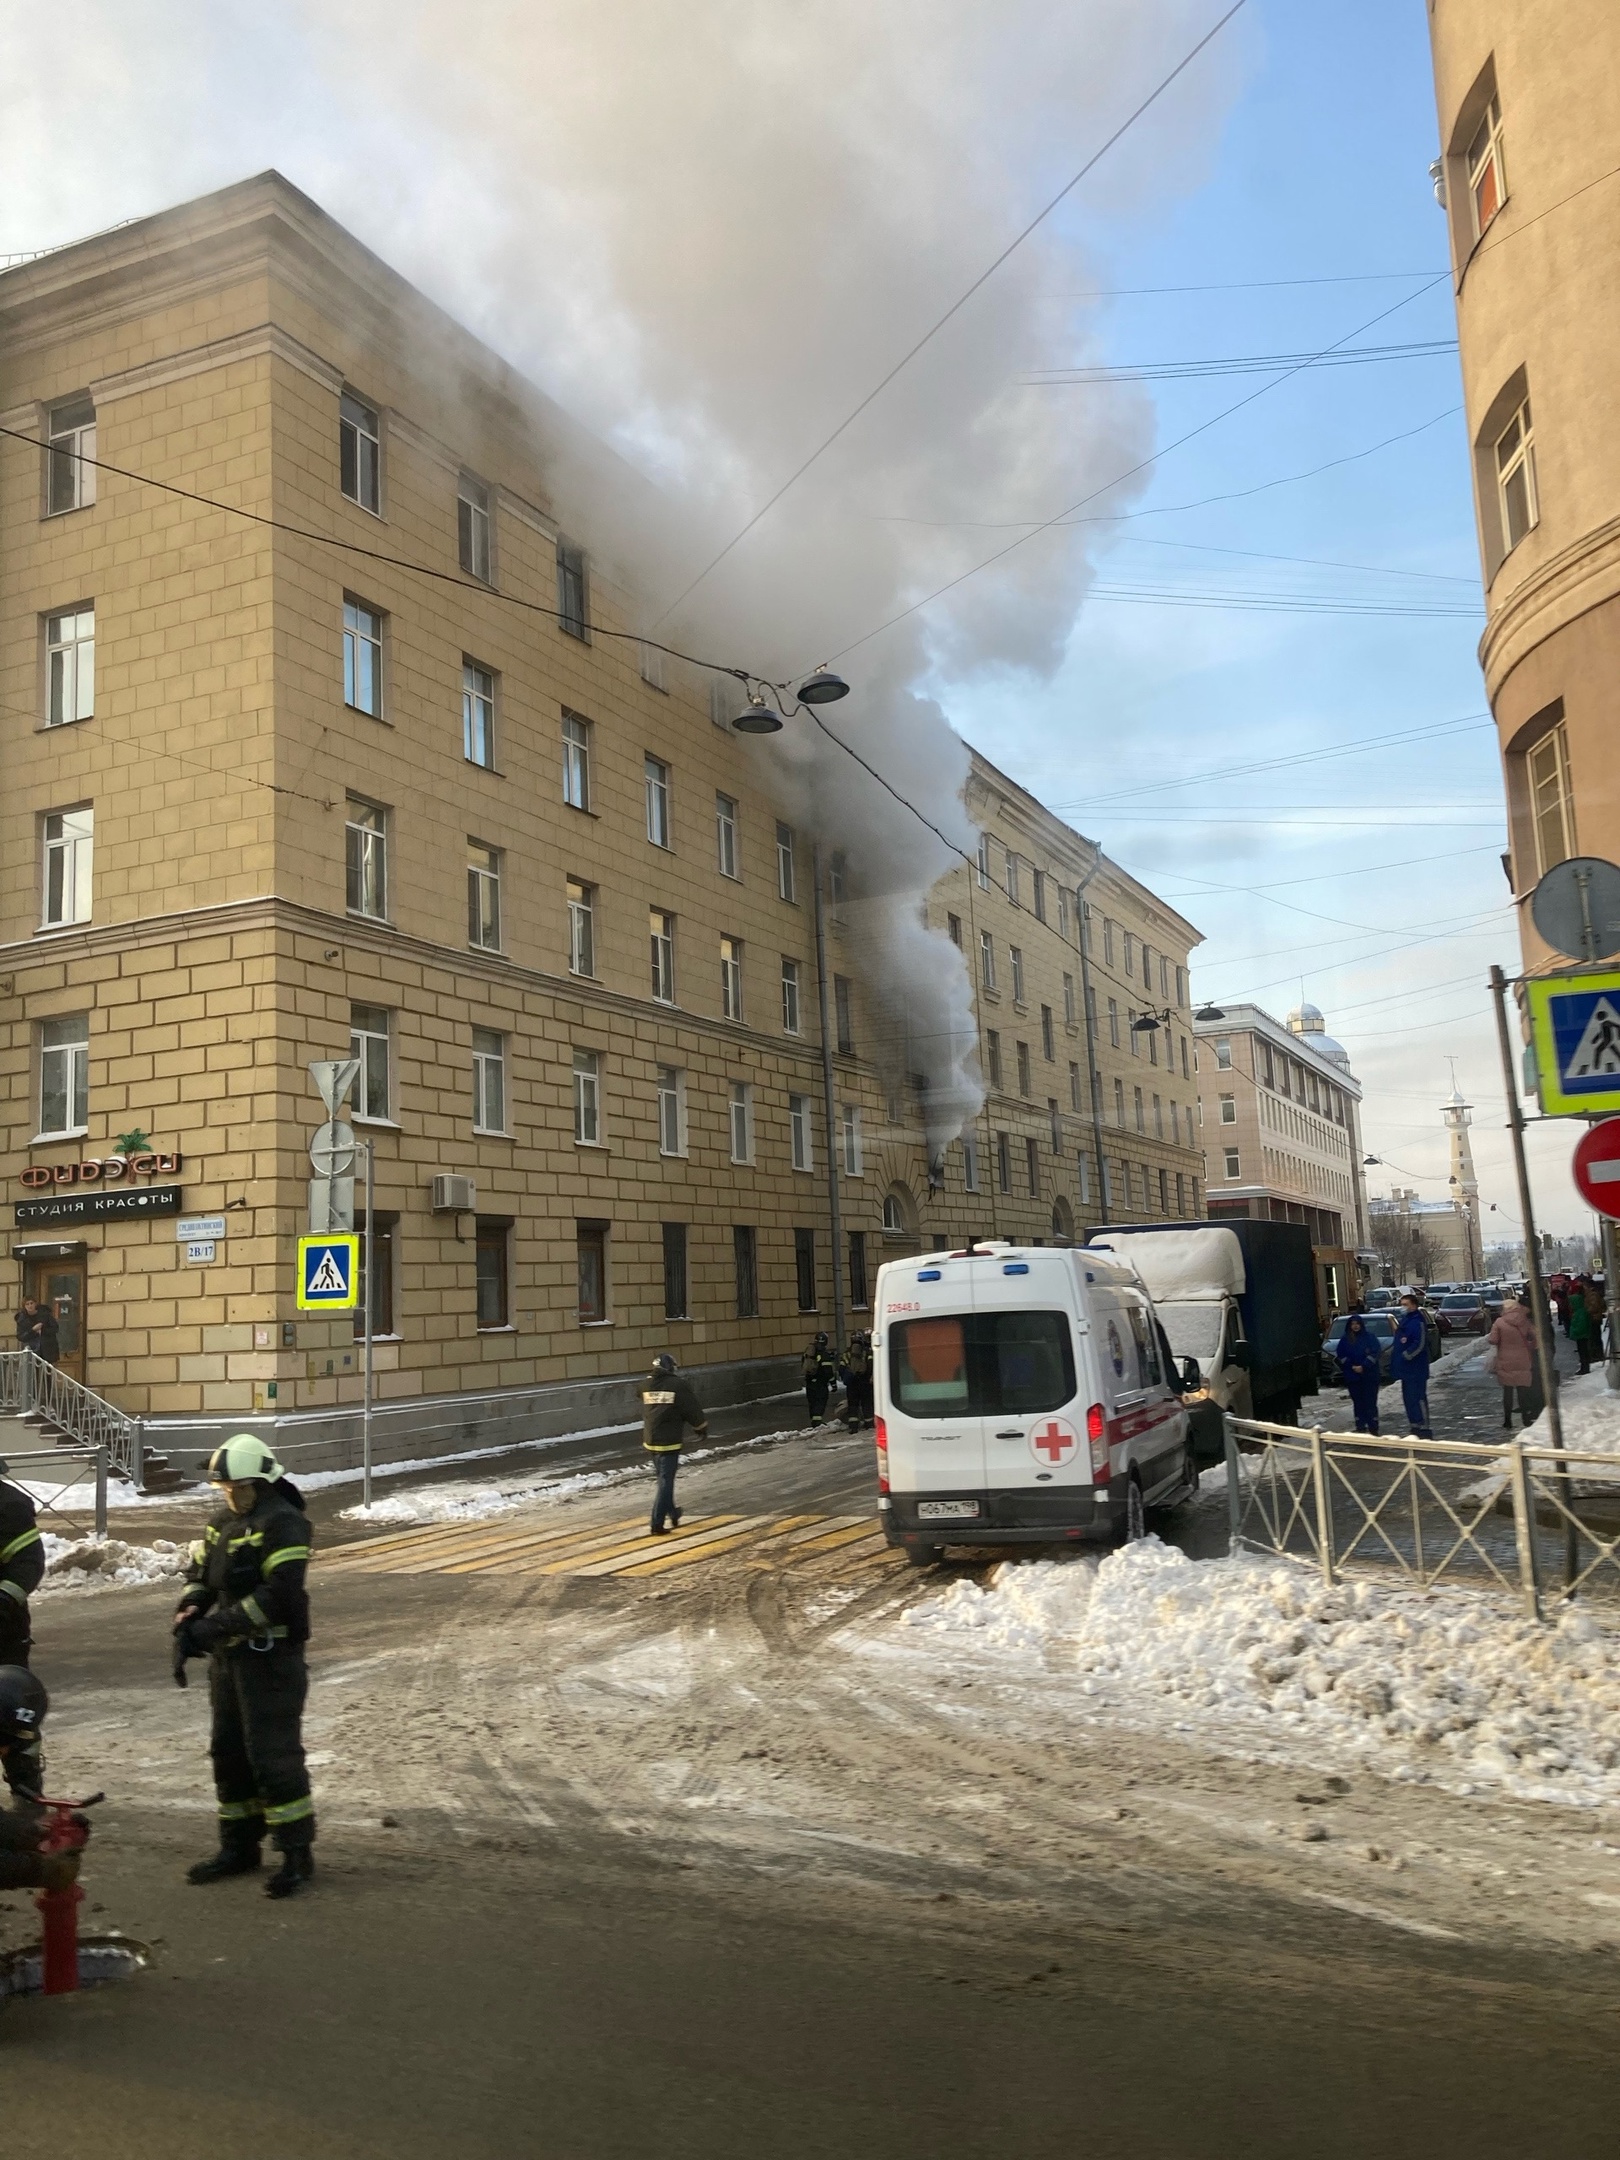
(536, 1556)
(693, 1538)
(462, 1542)
(834, 1539)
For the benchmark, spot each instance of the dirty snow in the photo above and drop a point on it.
(77, 1564)
(1448, 1687)
(1589, 1414)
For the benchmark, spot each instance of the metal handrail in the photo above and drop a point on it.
(30, 1386)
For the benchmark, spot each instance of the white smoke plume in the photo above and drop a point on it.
(708, 228)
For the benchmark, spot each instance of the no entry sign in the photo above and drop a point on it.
(1597, 1167)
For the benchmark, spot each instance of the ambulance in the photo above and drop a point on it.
(1023, 1396)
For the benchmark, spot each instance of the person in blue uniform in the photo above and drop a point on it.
(1358, 1353)
(1409, 1364)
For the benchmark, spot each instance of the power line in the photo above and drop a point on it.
(956, 305)
(1263, 603)
(1311, 562)
(1238, 364)
(1365, 277)
(1323, 877)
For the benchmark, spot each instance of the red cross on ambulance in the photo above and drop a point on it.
(1054, 1442)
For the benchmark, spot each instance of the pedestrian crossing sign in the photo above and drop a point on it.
(328, 1273)
(1575, 1027)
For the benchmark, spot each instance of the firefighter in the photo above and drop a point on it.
(668, 1406)
(22, 1564)
(856, 1373)
(820, 1369)
(248, 1612)
(23, 1704)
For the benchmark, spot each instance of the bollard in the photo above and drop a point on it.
(59, 1915)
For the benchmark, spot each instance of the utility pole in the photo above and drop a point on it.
(834, 1212)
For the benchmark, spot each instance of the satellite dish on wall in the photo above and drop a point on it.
(1576, 907)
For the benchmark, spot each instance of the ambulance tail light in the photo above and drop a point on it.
(880, 1432)
(1097, 1435)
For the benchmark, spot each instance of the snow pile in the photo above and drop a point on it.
(107, 1563)
(1451, 1686)
(1589, 1414)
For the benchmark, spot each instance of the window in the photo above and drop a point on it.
(472, 527)
(362, 658)
(652, 665)
(1113, 1022)
(850, 1124)
(1074, 1085)
(1141, 1124)
(657, 781)
(483, 896)
(799, 1132)
(675, 1271)
(1032, 1165)
(953, 930)
(1551, 802)
(1068, 1001)
(1054, 1120)
(590, 1245)
(1082, 1167)
(984, 862)
(370, 1028)
(894, 1221)
(860, 1295)
(671, 1110)
(1132, 1035)
(70, 666)
(1228, 1109)
(1181, 986)
(492, 1301)
(992, 1045)
(587, 1098)
(1234, 1167)
(477, 714)
(731, 978)
(787, 882)
(745, 1267)
(67, 838)
(64, 1075)
(576, 746)
(1487, 175)
(844, 1014)
(993, 1364)
(970, 1163)
(1012, 877)
(380, 1261)
(1023, 1068)
(1048, 1043)
(1003, 1163)
(742, 1122)
(581, 928)
(1037, 893)
(1108, 941)
(1181, 1193)
(1016, 954)
(70, 449)
(804, 1268)
(1063, 913)
(1158, 1118)
(360, 453)
(573, 598)
(1186, 1070)
(725, 834)
(987, 961)
(1223, 1053)
(1175, 1123)
(489, 1081)
(1130, 953)
(365, 838)
(1516, 478)
(661, 939)
(790, 996)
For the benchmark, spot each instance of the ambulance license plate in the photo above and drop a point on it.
(947, 1510)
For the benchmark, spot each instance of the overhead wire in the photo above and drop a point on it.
(1083, 373)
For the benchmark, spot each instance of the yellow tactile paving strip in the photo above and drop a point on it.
(620, 1550)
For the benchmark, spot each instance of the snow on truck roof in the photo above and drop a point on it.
(1180, 1264)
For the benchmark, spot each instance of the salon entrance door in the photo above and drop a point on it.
(58, 1281)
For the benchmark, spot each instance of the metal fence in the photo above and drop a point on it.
(32, 1388)
(93, 1460)
(1535, 1521)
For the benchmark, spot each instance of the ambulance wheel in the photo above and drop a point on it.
(924, 1555)
(1135, 1512)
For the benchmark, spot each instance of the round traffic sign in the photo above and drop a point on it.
(1597, 1166)
(1576, 907)
(331, 1152)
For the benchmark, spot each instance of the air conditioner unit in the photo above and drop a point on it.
(454, 1195)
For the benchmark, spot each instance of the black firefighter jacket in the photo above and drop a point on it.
(247, 1574)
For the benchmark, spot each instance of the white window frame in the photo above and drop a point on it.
(70, 665)
(362, 657)
(483, 896)
(740, 1112)
(1069, 1008)
(70, 439)
(849, 1119)
(790, 996)
(1482, 158)
(581, 929)
(661, 944)
(69, 1057)
(363, 423)
(801, 1140)
(731, 978)
(573, 591)
(372, 1046)
(653, 672)
(365, 858)
(672, 1140)
(67, 849)
(489, 1081)
(987, 961)
(576, 740)
(787, 874)
(984, 862)
(474, 529)
(1012, 876)
(725, 835)
(1514, 463)
(587, 1098)
(478, 714)
(1015, 955)
(660, 821)
(1546, 766)
(1082, 1164)
(1234, 1163)
(970, 1163)
(1228, 1109)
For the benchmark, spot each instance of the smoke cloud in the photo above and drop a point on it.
(707, 231)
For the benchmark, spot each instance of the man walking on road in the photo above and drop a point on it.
(1410, 1365)
(668, 1406)
(22, 1566)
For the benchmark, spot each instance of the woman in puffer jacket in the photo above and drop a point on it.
(1513, 1338)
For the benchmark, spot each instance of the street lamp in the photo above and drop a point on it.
(757, 718)
(1149, 1023)
(823, 687)
(1209, 1012)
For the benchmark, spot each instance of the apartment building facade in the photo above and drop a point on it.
(327, 739)
(1529, 111)
(1281, 1123)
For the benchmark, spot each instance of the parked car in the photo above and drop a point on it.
(1465, 1309)
(1382, 1300)
(1431, 1311)
(1377, 1323)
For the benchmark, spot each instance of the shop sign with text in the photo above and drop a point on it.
(99, 1170)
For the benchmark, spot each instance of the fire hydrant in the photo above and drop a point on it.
(66, 1832)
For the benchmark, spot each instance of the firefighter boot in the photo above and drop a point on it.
(236, 1856)
(296, 1872)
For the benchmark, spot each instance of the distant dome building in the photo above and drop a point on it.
(1308, 1020)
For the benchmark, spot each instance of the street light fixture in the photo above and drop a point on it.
(757, 718)
(1209, 1012)
(823, 687)
(1149, 1023)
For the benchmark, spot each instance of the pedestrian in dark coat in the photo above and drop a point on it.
(856, 1373)
(820, 1369)
(1581, 1330)
(668, 1405)
(1360, 1354)
(22, 1569)
(37, 1330)
(1409, 1364)
(1513, 1338)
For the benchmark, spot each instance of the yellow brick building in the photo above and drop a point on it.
(325, 738)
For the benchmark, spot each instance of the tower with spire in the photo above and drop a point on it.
(1464, 1186)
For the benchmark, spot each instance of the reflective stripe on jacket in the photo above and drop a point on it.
(247, 1573)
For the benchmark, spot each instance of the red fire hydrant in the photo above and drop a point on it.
(67, 1831)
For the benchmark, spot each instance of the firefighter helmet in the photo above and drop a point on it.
(243, 1456)
(663, 1365)
(23, 1704)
